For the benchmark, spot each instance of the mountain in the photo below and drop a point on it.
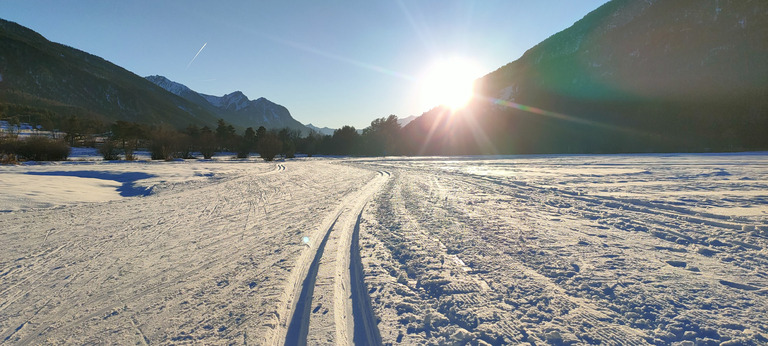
(235, 108)
(329, 131)
(321, 130)
(49, 82)
(631, 76)
(406, 120)
(238, 110)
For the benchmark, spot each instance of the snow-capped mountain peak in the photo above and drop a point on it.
(233, 101)
(169, 85)
(235, 107)
(406, 120)
(321, 130)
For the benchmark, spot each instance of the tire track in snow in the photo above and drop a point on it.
(331, 305)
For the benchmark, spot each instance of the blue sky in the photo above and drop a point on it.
(331, 63)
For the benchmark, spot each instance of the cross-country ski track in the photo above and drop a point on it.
(594, 249)
(321, 309)
(212, 261)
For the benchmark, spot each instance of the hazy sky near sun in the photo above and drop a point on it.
(331, 63)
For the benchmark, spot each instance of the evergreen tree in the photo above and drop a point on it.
(247, 143)
(382, 137)
(225, 135)
(260, 133)
(345, 141)
(310, 145)
(289, 139)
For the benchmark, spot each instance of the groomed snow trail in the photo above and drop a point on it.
(615, 249)
(325, 297)
(628, 250)
(206, 262)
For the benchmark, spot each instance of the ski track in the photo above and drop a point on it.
(629, 250)
(460, 256)
(199, 262)
(322, 307)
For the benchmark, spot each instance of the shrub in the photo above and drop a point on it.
(269, 147)
(8, 147)
(42, 149)
(8, 151)
(161, 150)
(207, 144)
(128, 151)
(243, 148)
(242, 154)
(185, 146)
(165, 144)
(289, 150)
(7, 159)
(109, 151)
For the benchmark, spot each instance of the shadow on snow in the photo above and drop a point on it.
(128, 179)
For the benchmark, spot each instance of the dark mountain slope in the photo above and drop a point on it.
(43, 75)
(683, 75)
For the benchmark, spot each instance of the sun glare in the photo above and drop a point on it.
(448, 83)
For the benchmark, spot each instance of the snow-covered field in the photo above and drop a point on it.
(612, 249)
(571, 249)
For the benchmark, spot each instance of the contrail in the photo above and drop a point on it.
(198, 53)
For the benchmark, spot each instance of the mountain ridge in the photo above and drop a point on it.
(321, 130)
(57, 82)
(235, 108)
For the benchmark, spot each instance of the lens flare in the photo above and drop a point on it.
(449, 83)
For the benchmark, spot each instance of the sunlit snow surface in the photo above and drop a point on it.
(87, 178)
(611, 249)
(615, 249)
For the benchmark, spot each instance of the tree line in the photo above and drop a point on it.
(166, 143)
(122, 139)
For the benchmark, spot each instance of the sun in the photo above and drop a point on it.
(449, 83)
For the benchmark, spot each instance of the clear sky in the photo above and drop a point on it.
(331, 62)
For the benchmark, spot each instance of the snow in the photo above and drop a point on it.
(90, 179)
(571, 249)
(202, 258)
(167, 84)
(321, 130)
(23, 191)
(508, 93)
(213, 100)
(406, 120)
(234, 101)
(614, 249)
